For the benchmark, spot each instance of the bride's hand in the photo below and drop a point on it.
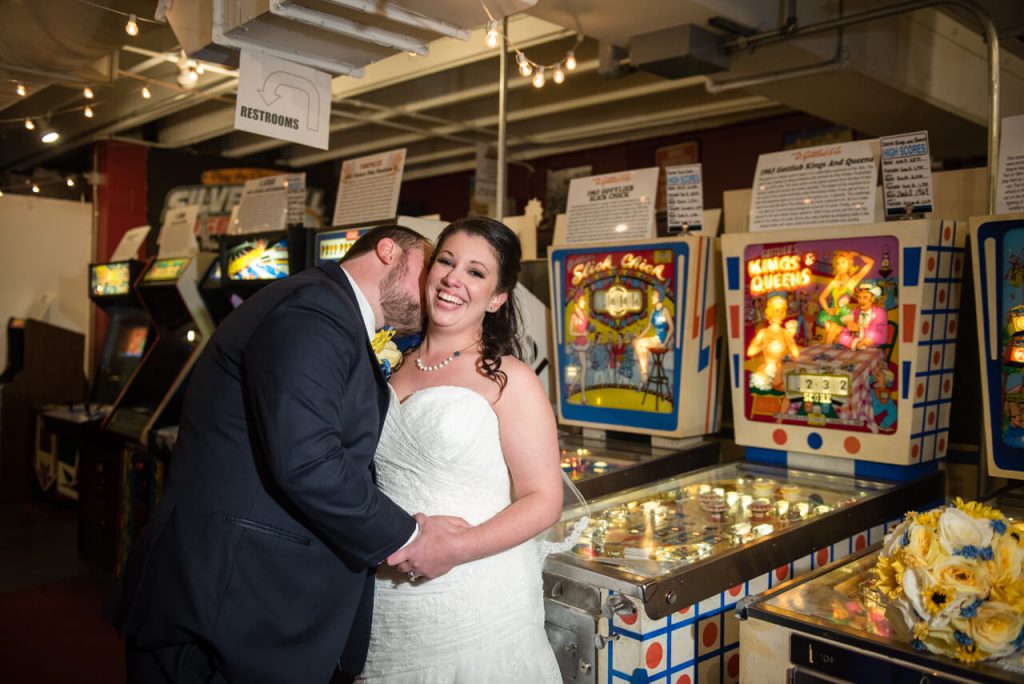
(436, 549)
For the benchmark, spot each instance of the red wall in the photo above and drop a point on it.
(120, 204)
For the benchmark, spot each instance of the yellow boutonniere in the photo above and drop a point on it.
(388, 355)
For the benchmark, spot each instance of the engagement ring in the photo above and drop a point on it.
(413, 576)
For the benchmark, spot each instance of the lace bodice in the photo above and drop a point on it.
(440, 454)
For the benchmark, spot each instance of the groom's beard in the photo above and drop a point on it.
(401, 311)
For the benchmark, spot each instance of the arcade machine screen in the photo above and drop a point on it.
(820, 334)
(112, 279)
(334, 244)
(120, 360)
(258, 259)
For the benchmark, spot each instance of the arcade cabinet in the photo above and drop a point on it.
(219, 302)
(44, 366)
(62, 430)
(152, 397)
(151, 402)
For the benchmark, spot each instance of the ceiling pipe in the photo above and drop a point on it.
(789, 32)
(835, 63)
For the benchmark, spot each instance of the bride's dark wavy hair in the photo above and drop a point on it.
(501, 328)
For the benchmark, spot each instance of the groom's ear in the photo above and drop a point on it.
(387, 251)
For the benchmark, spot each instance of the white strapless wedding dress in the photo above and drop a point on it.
(440, 454)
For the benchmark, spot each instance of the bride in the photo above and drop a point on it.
(470, 433)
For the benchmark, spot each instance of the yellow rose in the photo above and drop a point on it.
(1011, 594)
(1007, 561)
(964, 576)
(923, 548)
(995, 628)
(391, 354)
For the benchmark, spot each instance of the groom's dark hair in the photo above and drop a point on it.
(406, 238)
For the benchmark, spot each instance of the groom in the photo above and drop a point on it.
(257, 565)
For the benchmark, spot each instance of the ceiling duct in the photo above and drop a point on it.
(678, 52)
(337, 36)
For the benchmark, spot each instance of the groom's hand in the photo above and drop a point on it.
(436, 549)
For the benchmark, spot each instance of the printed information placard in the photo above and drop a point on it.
(906, 174)
(1010, 191)
(270, 203)
(368, 188)
(128, 247)
(830, 185)
(685, 197)
(178, 232)
(615, 206)
(283, 100)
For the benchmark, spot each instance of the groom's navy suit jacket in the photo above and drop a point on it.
(262, 546)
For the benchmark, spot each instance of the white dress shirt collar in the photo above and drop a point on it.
(369, 320)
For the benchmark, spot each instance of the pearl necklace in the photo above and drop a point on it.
(437, 366)
(441, 364)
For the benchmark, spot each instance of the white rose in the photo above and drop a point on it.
(995, 628)
(893, 541)
(902, 617)
(957, 529)
(914, 582)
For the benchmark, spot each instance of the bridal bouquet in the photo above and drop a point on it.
(954, 580)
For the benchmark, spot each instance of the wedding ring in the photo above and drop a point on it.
(413, 577)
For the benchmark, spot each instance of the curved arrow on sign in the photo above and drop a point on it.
(271, 93)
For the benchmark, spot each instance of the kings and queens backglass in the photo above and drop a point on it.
(820, 333)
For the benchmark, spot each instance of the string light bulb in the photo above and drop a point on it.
(559, 76)
(493, 37)
(71, 182)
(1, 193)
(145, 93)
(132, 26)
(524, 65)
(570, 61)
(22, 92)
(87, 93)
(35, 188)
(30, 125)
(538, 78)
(50, 136)
(87, 112)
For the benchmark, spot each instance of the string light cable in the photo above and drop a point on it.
(528, 68)
(131, 26)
